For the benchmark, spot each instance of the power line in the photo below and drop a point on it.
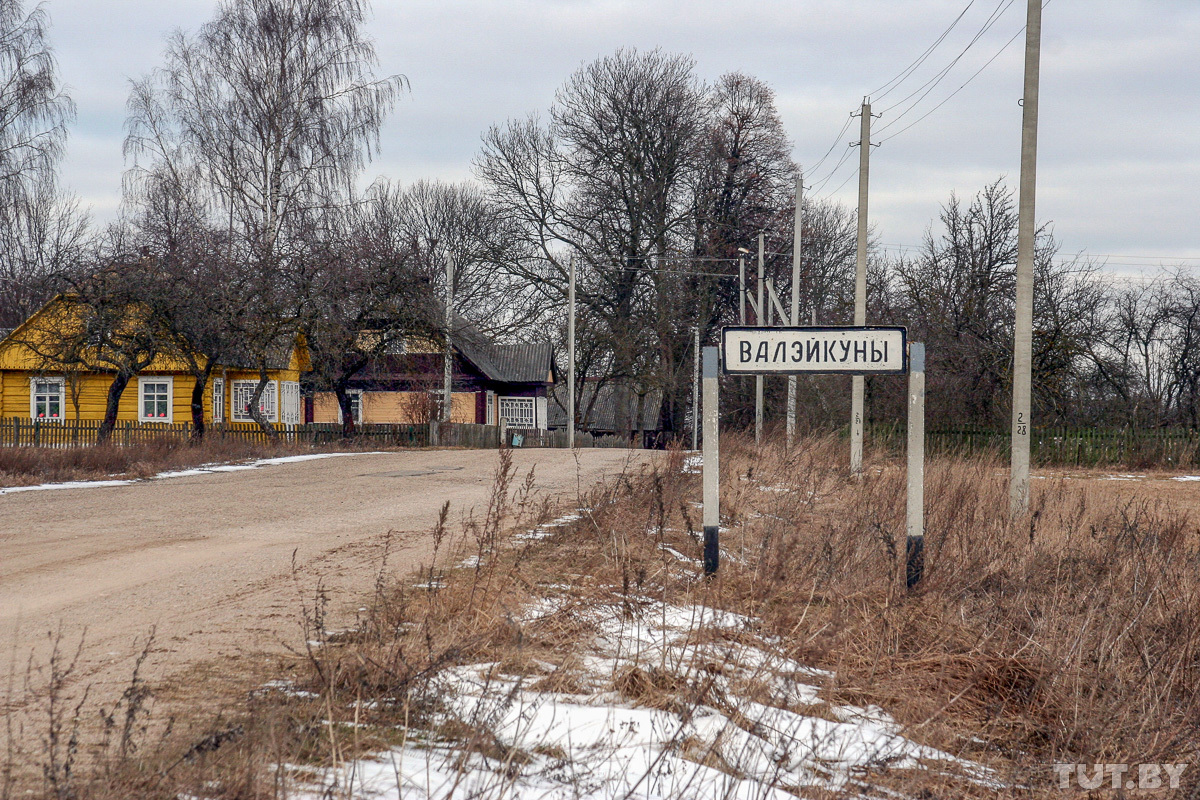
(938, 77)
(959, 89)
(895, 82)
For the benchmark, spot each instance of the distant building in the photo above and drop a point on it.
(616, 409)
(491, 382)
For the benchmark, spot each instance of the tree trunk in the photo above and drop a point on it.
(115, 390)
(198, 402)
(343, 400)
(255, 405)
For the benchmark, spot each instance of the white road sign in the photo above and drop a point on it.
(845, 350)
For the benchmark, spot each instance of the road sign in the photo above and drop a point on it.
(842, 350)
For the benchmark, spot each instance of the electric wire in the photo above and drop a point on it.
(948, 97)
(931, 84)
(895, 82)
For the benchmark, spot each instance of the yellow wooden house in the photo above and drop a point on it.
(34, 385)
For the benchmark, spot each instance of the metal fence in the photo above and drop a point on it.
(18, 432)
(1062, 446)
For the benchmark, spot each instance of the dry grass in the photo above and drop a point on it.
(1072, 635)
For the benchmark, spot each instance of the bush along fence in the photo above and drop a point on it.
(18, 432)
(1062, 446)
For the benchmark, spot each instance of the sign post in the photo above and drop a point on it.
(711, 456)
(914, 549)
(857, 350)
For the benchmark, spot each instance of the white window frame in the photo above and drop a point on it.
(289, 402)
(268, 403)
(519, 412)
(218, 400)
(156, 379)
(62, 398)
(489, 400)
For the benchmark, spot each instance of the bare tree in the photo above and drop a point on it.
(41, 229)
(607, 181)
(269, 111)
(365, 296)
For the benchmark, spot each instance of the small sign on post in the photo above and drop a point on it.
(844, 350)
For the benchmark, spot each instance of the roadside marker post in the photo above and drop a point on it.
(711, 466)
(857, 350)
(914, 549)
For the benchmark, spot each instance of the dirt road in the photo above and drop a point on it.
(207, 559)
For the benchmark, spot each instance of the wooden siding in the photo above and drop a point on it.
(393, 407)
(93, 394)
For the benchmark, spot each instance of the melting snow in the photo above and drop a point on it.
(599, 744)
(182, 473)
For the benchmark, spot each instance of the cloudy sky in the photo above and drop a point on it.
(1119, 168)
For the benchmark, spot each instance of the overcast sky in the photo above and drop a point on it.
(1118, 163)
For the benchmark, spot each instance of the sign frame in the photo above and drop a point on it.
(803, 329)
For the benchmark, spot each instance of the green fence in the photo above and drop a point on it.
(18, 432)
(1060, 446)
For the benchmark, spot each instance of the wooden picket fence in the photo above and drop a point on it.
(18, 432)
(1061, 445)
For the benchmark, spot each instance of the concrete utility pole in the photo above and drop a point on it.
(448, 359)
(1026, 231)
(571, 356)
(696, 390)
(759, 320)
(742, 290)
(797, 248)
(857, 385)
(711, 477)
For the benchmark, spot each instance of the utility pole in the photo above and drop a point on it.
(758, 379)
(571, 356)
(448, 359)
(797, 247)
(696, 390)
(1026, 231)
(742, 289)
(857, 385)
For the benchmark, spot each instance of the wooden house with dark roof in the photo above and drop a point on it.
(490, 382)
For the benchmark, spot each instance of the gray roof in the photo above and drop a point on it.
(510, 363)
(603, 415)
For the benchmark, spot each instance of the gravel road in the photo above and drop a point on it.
(207, 560)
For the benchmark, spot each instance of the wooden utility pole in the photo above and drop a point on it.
(797, 248)
(759, 321)
(857, 385)
(571, 356)
(1026, 232)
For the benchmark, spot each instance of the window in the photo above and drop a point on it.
(218, 400)
(517, 412)
(289, 402)
(154, 399)
(46, 398)
(243, 391)
(489, 400)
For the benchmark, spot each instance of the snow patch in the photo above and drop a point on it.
(600, 743)
(182, 473)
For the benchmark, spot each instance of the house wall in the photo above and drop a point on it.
(93, 394)
(394, 407)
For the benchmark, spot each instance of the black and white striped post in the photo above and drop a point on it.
(914, 550)
(711, 468)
